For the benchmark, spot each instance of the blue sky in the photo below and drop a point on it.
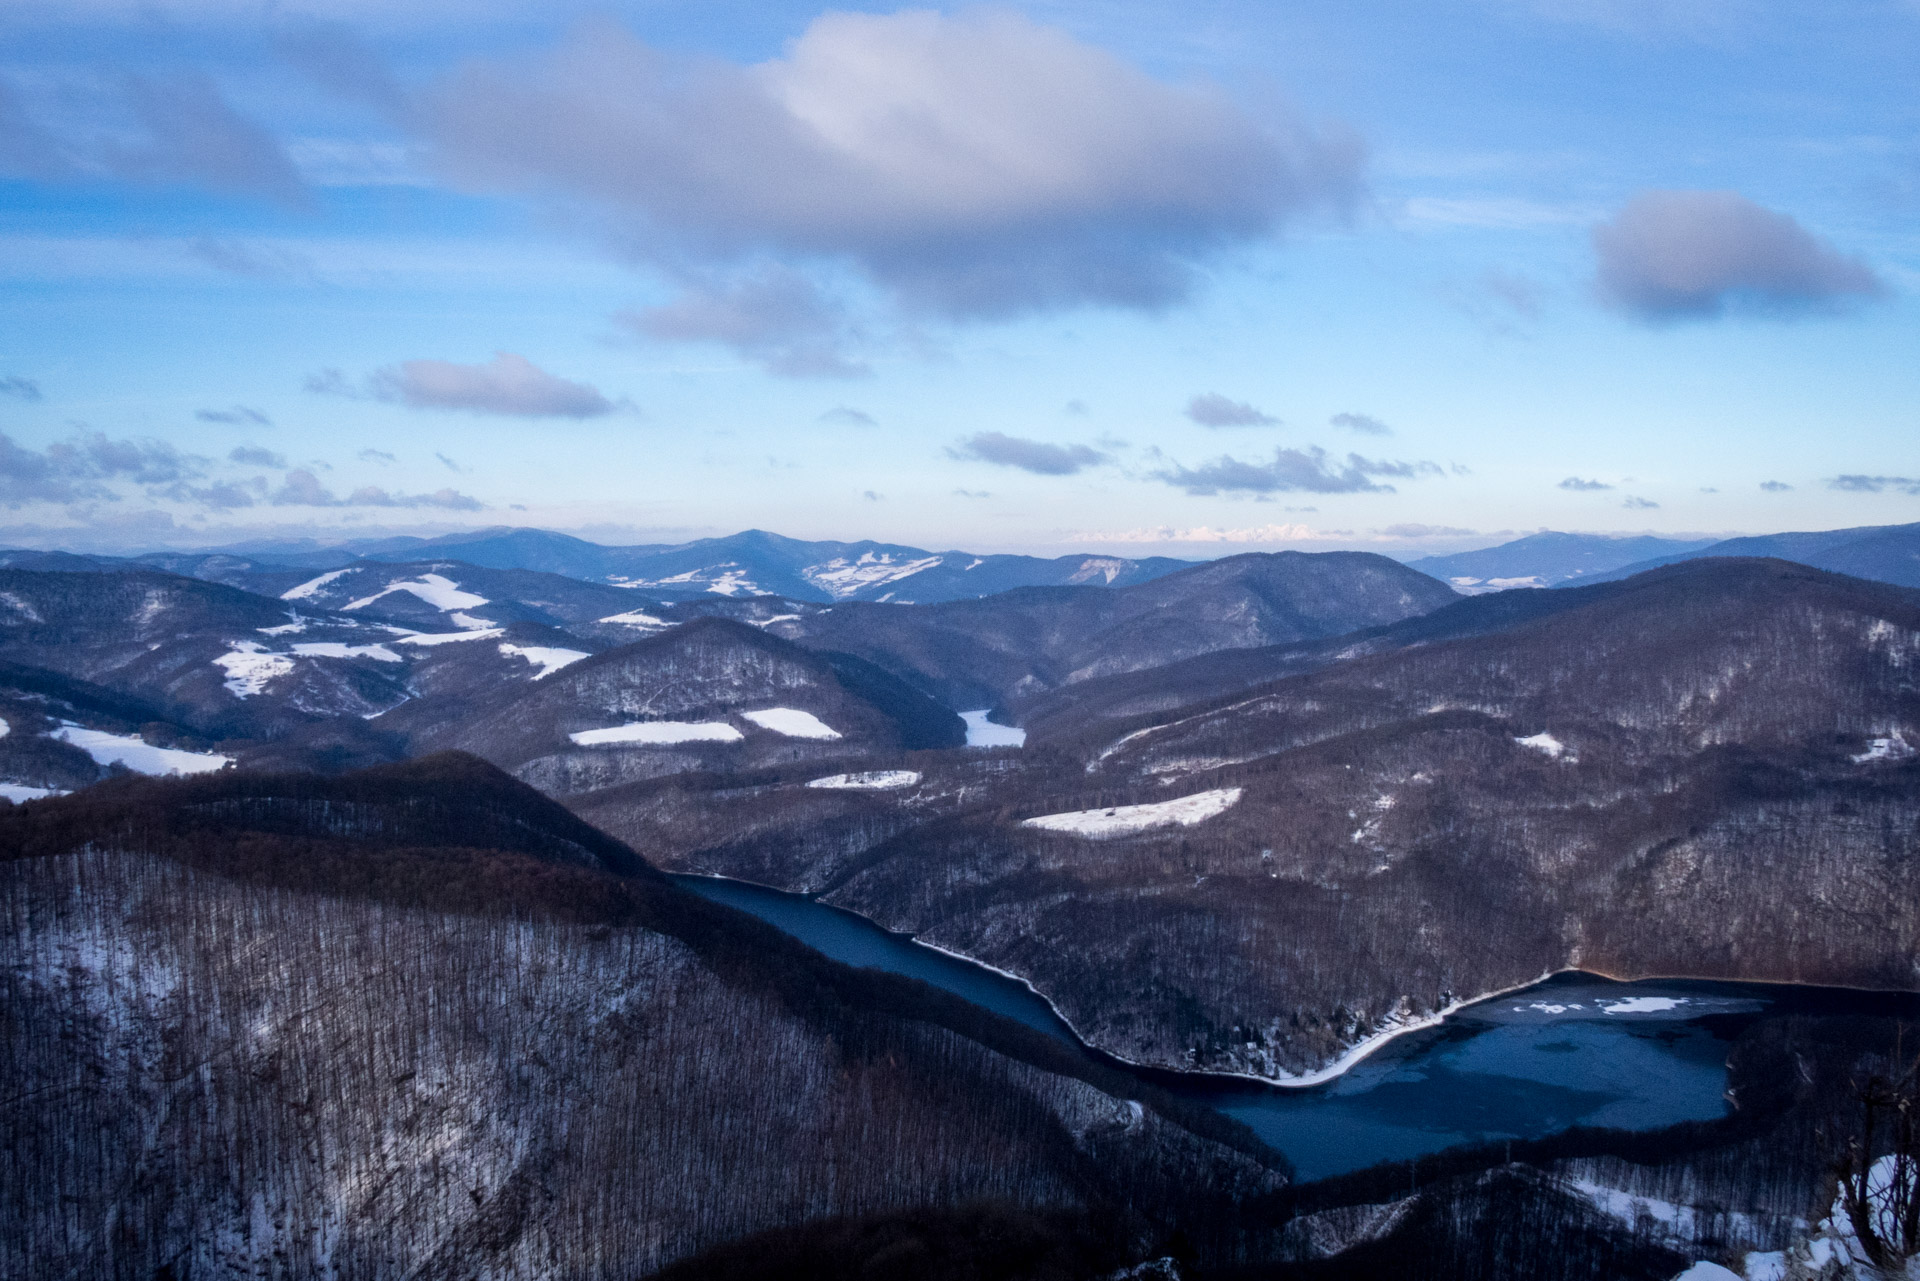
(1072, 276)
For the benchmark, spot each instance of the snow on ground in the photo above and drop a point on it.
(437, 590)
(138, 755)
(19, 792)
(982, 732)
(1124, 820)
(734, 580)
(548, 658)
(471, 622)
(1894, 747)
(1543, 742)
(792, 722)
(660, 732)
(340, 649)
(1643, 1004)
(298, 624)
(312, 585)
(441, 638)
(636, 618)
(871, 780)
(777, 618)
(249, 667)
(841, 578)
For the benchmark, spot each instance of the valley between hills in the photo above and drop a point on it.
(340, 941)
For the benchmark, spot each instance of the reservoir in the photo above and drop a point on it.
(1572, 1050)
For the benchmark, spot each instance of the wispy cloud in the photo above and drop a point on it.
(256, 456)
(82, 468)
(301, 488)
(239, 416)
(1295, 470)
(509, 385)
(1875, 484)
(775, 317)
(1365, 424)
(1211, 409)
(19, 388)
(1580, 485)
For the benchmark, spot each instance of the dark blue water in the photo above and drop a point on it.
(1573, 1050)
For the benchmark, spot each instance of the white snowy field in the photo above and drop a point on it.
(792, 722)
(436, 590)
(138, 755)
(1125, 820)
(340, 649)
(660, 732)
(548, 658)
(871, 780)
(982, 732)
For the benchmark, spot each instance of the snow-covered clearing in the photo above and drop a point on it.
(19, 792)
(871, 780)
(340, 649)
(1894, 747)
(138, 755)
(548, 658)
(298, 624)
(312, 585)
(636, 618)
(1543, 742)
(1124, 820)
(437, 590)
(792, 722)
(442, 638)
(982, 732)
(777, 618)
(660, 732)
(841, 578)
(249, 667)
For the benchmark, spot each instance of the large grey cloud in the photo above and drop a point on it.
(776, 316)
(1676, 255)
(1308, 470)
(158, 131)
(1036, 456)
(509, 385)
(976, 165)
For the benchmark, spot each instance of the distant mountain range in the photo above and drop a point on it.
(751, 563)
(1884, 553)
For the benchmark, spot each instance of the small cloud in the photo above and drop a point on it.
(332, 382)
(1636, 503)
(302, 488)
(1775, 486)
(1038, 457)
(238, 416)
(449, 464)
(1211, 409)
(1875, 484)
(1295, 470)
(1580, 486)
(1078, 408)
(1208, 534)
(256, 262)
(972, 493)
(1366, 424)
(224, 496)
(380, 456)
(846, 416)
(872, 497)
(1693, 255)
(777, 318)
(255, 456)
(19, 388)
(508, 385)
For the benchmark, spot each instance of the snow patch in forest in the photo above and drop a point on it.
(249, 667)
(1124, 820)
(1543, 742)
(1894, 747)
(20, 792)
(548, 658)
(298, 624)
(137, 754)
(1643, 1004)
(637, 618)
(340, 649)
(436, 590)
(441, 638)
(841, 578)
(982, 732)
(792, 722)
(312, 585)
(777, 618)
(878, 779)
(657, 732)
